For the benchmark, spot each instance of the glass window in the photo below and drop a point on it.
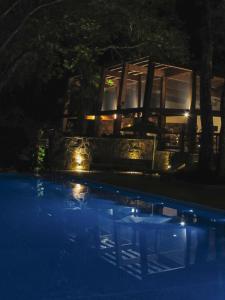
(110, 98)
(198, 92)
(131, 100)
(216, 92)
(178, 94)
(156, 93)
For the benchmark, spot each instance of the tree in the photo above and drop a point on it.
(75, 38)
(221, 160)
(206, 159)
(219, 52)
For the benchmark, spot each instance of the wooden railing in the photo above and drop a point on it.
(178, 142)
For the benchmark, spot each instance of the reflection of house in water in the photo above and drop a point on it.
(142, 241)
(142, 245)
(159, 94)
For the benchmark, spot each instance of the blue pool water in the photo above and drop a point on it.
(65, 239)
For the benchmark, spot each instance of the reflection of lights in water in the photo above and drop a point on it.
(174, 235)
(195, 219)
(134, 210)
(111, 212)
(182, 223)
(40, 188)
(79, 192)
(213, 220)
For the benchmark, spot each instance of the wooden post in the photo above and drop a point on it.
(99, 103)
(121, 99)
(148, 92)
(182, 139)
(162, 118)
(139, 90)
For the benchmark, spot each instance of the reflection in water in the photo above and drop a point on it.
(142, 238)
(142, 245)
(87, 242)
(79, 191)
(40, 188)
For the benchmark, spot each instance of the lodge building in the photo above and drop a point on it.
(163, 96)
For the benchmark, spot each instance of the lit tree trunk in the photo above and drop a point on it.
(192, 122)
(221, 160)
(206, 159)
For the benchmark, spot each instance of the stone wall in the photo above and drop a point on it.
(85, 153)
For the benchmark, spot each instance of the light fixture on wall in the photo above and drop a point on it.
(78, 158)
(187, 114)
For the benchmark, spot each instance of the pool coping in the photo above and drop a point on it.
(161, 198)
(71, 176)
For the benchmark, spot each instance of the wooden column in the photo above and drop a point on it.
(121, 99)
(139, 90)
(148, 92)
(99, 103)
(162, 117)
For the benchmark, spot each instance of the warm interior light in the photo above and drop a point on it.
(107, 118)
(90, 118)
(115, 116)
(187, 114)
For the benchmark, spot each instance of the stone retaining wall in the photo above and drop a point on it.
(84, 153)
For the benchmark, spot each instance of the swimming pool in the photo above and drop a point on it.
(67, 239)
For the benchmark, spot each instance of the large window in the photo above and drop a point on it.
(131, 99)
(110, 96)
(178, 93)
(156, 93)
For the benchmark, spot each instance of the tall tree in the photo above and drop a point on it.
(219, 52)
(206, 159)
(221, 160)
